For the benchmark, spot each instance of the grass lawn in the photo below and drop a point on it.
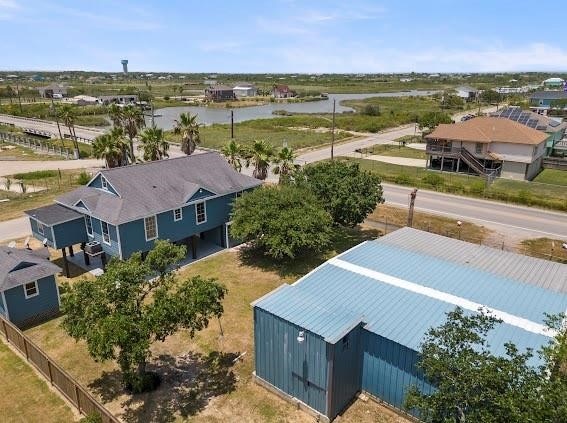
(216, 136)
(20, 202)
(202, 382)
(508, 190)
(16, 152)
(546, 248)
(25, 396)
(552, 176)
(395, 151)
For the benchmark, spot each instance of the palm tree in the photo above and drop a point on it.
(105, 147)
(132, 119)
(260, 155)
(284, 162)
(153, 144)
(233, 153)
(67, 115)
(115, 114)
(188, 127)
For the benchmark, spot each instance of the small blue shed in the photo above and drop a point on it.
(356, 322)
(28, 290)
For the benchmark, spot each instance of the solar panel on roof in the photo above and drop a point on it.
(541, 127)
(554, 123)
(532, 123)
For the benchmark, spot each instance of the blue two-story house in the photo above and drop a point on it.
(28, 289)
(124, 210)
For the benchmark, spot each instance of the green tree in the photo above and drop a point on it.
(113, 148)
(188, 127)
(122, 312)
(371, 110)
(284, 162)
(474, 385)
(260, 155)
(115, 114)
(282, 221)
(132, 120)
(233, 153)
(68, 116)
(430, 120)
(490, 96)
(153, 144)
(348, 193)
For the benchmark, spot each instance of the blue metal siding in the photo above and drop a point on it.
(133, 237)
(70, 233)
(21, 310)
(389, 369)
(300, 370)
(202, 193)
(347, 371)
(2, 309)
(47, 229)
(96, 183)
(113, 249)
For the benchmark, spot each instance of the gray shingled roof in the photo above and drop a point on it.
(39, 266)
(534, 271)
(549, 95)
(53, 214)
(154, 187)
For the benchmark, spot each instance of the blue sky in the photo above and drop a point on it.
(283, 35)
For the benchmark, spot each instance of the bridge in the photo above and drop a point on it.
(48, 129)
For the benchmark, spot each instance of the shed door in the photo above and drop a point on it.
(304, 387)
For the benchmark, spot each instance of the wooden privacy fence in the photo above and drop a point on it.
(58, 377)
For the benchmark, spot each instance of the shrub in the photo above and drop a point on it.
(477, 187)
(403, 179)
(166, 97)
(91, 418)
(83, 178)
(371, 110)
(433, 179)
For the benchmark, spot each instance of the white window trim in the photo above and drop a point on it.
(102, 223)
(103, 183)
(36, 290)
(145, 229)
(204, 203)
(90, 220)
(180, 214)
(40, 225)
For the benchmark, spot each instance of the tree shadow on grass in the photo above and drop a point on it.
(187, 384)
(343, 239)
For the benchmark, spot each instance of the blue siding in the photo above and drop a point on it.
(347, 371)
(300, 370)
(96, 183)
(2, 309)
(22, 310)
(70, 233)
(133, 237)
(114, 248)
(202, 193)
(47, 232)
(389, 369)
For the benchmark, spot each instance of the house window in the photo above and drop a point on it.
(200, 213)
(104, 183)
(177, 214)
(346, 342)
(40, 228)
(478, 148)
(31, 289)
(89, 225)
(105, 232)
(150, 226)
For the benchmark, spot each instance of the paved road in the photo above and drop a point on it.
(10, 167)
(514, 221)
(51, 127)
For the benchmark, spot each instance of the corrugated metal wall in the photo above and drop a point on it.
(300, 370)
(347, 370)
(389, 369)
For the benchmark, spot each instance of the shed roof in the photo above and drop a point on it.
(404, 283)
(549, 95)
(22, 266)
(486, 129)
(53, 214)
(154, 187)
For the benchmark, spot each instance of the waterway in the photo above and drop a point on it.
(208, 115)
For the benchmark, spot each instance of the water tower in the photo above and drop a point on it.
(124, 66)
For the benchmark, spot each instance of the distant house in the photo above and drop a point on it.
(542, 101)
(84, 100)
(244, 89)
(28, 290)
(282, 91)
(554, 83)
(554, 128)
(467, 93)
(487, 146)
(124, 210)
(53, 91)
(118, 99)
(219, 93)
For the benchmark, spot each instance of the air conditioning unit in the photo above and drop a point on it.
(93, 248)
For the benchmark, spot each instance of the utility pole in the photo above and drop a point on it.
(19, 97)
(231, 124)
(411, 207)
(56, 119)
(333, 132)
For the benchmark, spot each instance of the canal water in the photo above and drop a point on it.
(207, 115)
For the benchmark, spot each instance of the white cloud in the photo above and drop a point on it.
(8, 9)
